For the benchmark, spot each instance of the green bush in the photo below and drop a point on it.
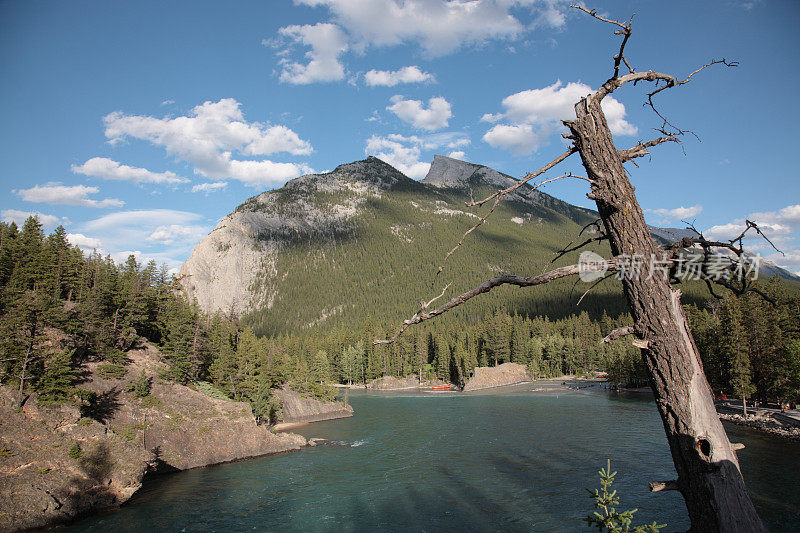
(151, 401)
(111, 371)
(141, 387)
(210, 390)
(75, 451)
(607, 518)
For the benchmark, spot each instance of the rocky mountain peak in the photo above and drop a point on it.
(371, 173)
(453, 173)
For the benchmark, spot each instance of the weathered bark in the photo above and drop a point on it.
(708, 470)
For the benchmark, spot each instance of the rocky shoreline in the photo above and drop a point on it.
(60, 463)
(766, 425)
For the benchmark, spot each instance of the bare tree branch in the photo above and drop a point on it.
(625, 32)
(640, 150)
(499, 196)
(529, 176)
(505, 279)
(595, 284)
(727, 276)
(617, 333)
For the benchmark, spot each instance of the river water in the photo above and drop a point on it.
(509, 459)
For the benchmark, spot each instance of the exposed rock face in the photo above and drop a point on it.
(234, 267)
(40, 484)
(393, 383)
(447, 172)
(298, 408)
(487, 377)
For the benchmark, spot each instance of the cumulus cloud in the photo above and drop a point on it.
(782, 227)
(176, 232)
(83, 242)
(327, 41)
(164, 235)
(390, 78)
(209, 187)
(19, 218)
(438, 26)
(401, 152)
(678, 213)
(108, 169)
(414, 112)
(519, 139)
(457, 155)
(53, 193)
(207, 138)
(535, 114)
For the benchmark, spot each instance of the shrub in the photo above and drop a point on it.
(210, 390)
(141, 387)
(111, 371)
(75, 451)
(607, 518)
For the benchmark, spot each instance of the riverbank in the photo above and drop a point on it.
(506, 459)
(767, 425)
(62, 462)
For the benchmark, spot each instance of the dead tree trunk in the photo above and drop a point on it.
(708, 470)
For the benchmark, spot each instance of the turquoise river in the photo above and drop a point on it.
(508, 459)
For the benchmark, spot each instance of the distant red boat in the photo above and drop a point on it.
(442, 387)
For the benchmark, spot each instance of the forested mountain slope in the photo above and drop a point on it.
(364, 241)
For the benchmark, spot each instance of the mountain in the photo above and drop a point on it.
(360, 245)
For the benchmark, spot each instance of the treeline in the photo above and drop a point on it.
(751, 347)
(60, 308)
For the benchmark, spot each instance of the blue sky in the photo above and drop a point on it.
(139, 125)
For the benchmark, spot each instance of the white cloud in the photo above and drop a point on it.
(782, 227)
(141, 219)
(556, 102)
(164, 235)
(209, 187)
(678, 213)
(436, 116)
(457, 155)
(327, 41)
(83, 242)
(536, 113)
(520, 139)
(438, 26)
(775, 224)
(108, 169)
(390, 78)
(401, 152)
(458, 143)
(208, 136)
(19, 218)
(175, 232)
(168, 102)
(789, 215)
(53, 193)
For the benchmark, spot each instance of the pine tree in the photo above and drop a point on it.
(56, 383)
(737, 350)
